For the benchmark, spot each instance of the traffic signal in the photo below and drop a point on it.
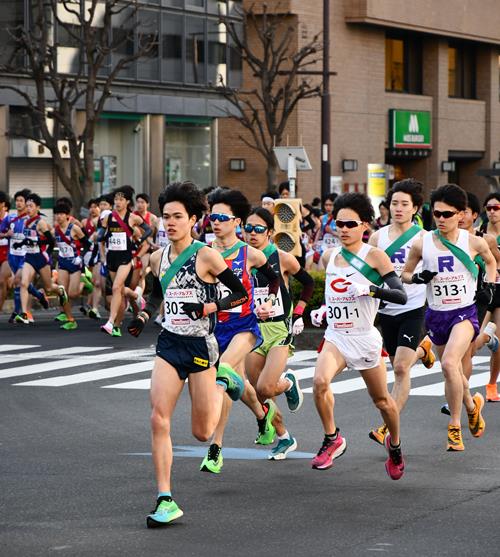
(287, 232)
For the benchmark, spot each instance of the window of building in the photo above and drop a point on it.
(403, 64)
(11, 22)
(148, 68)
(461, 71)
(217, 52)
(195, 49)
(172, 58)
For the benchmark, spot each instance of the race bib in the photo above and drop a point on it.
(449, 290)
(117, 241)
(224, 291)
(329, 241)
(162, 239)
(209, 238)
(65, 250)
(343, 313)
(33, 236)
(260, 294)
(172, 304)
(17, 237)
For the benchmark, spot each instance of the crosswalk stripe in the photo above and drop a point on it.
(142, 384)
(52, 353)
(19, 371)
(437, 389)
(302, 355)
(85, 377)
(12, 347)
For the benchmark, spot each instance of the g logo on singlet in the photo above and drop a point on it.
(340, 285)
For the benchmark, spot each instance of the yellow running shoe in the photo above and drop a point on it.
(477, 424)
(429, 357)
(378, 435)
(455, 442)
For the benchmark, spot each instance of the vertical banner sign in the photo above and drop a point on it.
(377, 181)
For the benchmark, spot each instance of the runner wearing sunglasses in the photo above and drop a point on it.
(451, 318)
(402, 327)
(265, 366)
(237, 330)
(355, 274)
(492, 226)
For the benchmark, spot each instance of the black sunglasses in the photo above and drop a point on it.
(348, 223)
(221, 217)
(444, 214)
(257, 228)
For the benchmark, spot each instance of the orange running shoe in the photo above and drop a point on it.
(30, 317)
(492, 393)
(455, 442)
(477, 424)
(429, 357)
(379, 434)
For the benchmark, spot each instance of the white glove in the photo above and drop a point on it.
(357, 289)
(87, 257)
(77, 260)
(317, 316)
(298, 326)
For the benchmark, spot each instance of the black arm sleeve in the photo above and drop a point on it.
(49, 239)
(85, 242)
(147, 231)
(155, 298)
(238, 294)
(308, 285)
(271, 276)
(396, 293)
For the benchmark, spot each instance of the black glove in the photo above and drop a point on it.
(423, 278)
(193, 310)
(18, 245)
(486, 294)
(137, 324)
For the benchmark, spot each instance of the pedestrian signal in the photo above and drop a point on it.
(287, 232)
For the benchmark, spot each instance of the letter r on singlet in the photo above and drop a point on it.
(445, 263)
(398, 256)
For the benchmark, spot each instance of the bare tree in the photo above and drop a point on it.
(104, 35)
(266, 47)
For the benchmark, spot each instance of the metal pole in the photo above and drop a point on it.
(325, 104)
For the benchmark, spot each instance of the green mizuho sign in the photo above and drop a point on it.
(410, 129)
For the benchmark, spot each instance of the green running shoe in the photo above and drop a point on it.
(213, 462)
(166, 511)
(22, 318)
(283, 447)
(69, 326)
(235, 386)
(61, 317)
(117, 332)
(294, 397)
(266, 429)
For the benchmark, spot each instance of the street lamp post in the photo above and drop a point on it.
(325, 104)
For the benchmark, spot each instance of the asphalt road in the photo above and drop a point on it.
(76, 476)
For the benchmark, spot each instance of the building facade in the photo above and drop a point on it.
(416, 92)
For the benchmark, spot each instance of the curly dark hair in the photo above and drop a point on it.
(452, 195)
(235, 199)
(358, 202)
(186, 193)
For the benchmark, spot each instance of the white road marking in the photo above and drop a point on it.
(12, 347)
(53, 353)
(302, 355)
(141, 384)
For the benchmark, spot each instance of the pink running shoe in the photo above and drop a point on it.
(395, 464)
(329, 451)
(107, 328)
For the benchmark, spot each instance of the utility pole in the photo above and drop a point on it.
(325, 104)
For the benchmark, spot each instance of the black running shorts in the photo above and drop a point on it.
(406, 329)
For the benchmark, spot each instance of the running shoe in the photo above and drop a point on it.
(166, 511)
(94, 313)
(429, 357)
(61, 317)
(445, 409)
(44, 301)
(116, 332)
(69, 326)
(455, 442)
(477, 424)
(31, 319)
(235, 386)
(107, 328)
(490, 329)
(213, 462)
(86, 280)
(141, 303)
(63, 296)
(283, 447)
(294, 396)
(492, 393)
(379, 434)
(12, 318)
(329, 451)
(84, 309)
(267, 431)
(395, 463)
(22, 318)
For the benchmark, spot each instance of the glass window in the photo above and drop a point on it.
(173, 3)
(123, 35)
(394, 65)
(216, 7)
(216, 52)
(462, 71)
(403, 64)
(235, 64)
(452, 72)
(147, 67)
(197, 4)
(188, 153)
(173, 26)
(22, 123)
(195, 50)
(11, 17)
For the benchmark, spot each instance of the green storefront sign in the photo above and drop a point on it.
(410, 129)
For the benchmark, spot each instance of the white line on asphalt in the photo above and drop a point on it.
(437, 389)
(141, 384)
(52, 353)
(302, 355)
(12, 347)
(19, 371)
(65, 380)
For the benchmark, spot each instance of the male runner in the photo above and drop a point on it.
(327, 235)
(92, 258)
(185, 275)
(237, 330)
(402, 327)
(451, 318)
(266, 364)
(355, 273)
(5, 274)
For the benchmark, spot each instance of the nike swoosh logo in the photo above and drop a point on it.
(350, 275)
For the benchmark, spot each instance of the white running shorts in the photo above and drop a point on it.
(359, 351)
